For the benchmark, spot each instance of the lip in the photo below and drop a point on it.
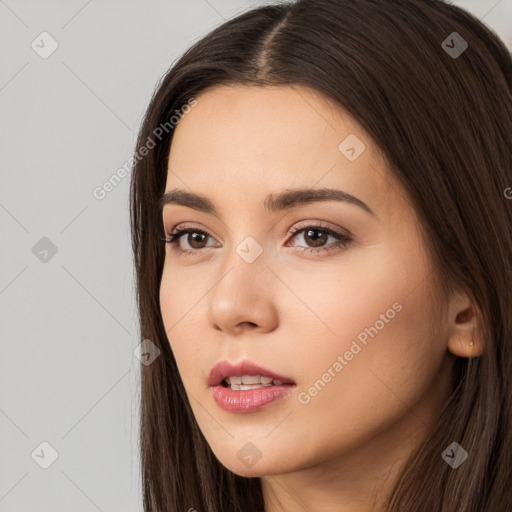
(225, 369)
(250, 400)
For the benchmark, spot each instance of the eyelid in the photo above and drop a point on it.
(185, 226)
(319, 224)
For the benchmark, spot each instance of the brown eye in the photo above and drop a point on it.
(317, 236)
(311, 235)
(195, 239)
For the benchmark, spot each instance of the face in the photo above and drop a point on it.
(334, 295)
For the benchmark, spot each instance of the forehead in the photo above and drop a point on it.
(249, 141)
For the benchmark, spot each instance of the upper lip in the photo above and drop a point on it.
(225, 369)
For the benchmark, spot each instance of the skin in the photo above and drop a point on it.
(296, 312)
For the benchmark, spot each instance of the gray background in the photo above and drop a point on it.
(68, 374)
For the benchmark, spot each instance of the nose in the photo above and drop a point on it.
(244, 299)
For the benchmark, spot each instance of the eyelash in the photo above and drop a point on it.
(343, 240)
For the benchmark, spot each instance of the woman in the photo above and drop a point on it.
(322, 230)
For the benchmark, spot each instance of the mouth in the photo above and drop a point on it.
(246, 387)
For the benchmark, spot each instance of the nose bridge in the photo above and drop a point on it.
(248, 240)
(248, 261)
(250, 250)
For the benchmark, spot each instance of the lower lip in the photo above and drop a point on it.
(249, 400)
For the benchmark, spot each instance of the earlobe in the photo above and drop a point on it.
(465, 336)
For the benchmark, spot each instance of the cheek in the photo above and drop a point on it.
(333, 304)
(378, 318)
(181, 292)
(180, 307)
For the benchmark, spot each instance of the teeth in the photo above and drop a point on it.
(249, 379)
(246, 382)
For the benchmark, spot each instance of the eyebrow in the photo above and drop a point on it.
(272, 203)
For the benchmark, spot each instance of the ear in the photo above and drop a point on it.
(464, 323)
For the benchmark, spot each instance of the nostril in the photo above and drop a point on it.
(252, 324)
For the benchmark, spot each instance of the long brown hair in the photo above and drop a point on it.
(444, 123)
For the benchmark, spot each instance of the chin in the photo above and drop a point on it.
(260, 468)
